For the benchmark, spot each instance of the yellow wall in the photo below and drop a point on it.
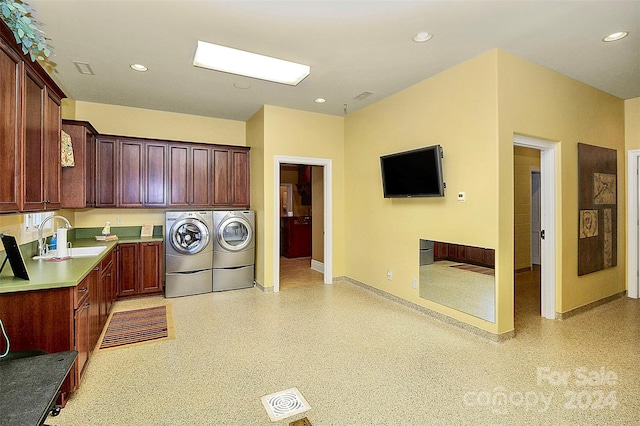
(255, 139)
(632, 123)
(146, 123)
(540, 103)
(525, 160)
(290, 132)
(458, 110)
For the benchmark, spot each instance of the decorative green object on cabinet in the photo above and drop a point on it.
(19, 17)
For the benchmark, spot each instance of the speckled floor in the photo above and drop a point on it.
(360, 359)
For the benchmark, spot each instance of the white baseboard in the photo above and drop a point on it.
(317, 266)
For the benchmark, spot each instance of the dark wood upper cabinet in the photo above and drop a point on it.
(52, 170)
(240, 177)
(130, 173)
(142, 177)
(155, 174)
(42, 124)
(30, 125)
(78, 182)
(10, 128)
(34, 101)
(189, 175)
(230, 177)
(106, 172)
(134, 172)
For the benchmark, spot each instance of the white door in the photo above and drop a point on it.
(535, 218)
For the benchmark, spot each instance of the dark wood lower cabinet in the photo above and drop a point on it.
(464, 254)
(139, 268)
(60, 319)
(295, 236)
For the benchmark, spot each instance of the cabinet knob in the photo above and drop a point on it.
(83, 290)
(107, 275)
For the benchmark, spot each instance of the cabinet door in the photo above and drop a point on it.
(128, 269)
(51, 169)
(94, 307)
(200, 176)
(230, 177)
(33, 183)
(82, 327)
(240, 178)
(178, 175)
(131, 173)
(106, 154)
(150, 267)
(221, 178)
(475, 255)
(90, 170)
(155, 176)
(78, 182)
(190, 175)
(107, 290)
(10, 124)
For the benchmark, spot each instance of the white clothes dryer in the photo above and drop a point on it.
(188, 253)
(233, 249)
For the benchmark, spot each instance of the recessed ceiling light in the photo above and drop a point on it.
(241, 85)
(240, 62)
(422, 37)
(320, 100)
(138, 67)
(616, 36)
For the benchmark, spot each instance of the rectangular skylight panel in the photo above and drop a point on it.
(240, 62)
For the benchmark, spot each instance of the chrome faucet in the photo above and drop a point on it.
(42, 246)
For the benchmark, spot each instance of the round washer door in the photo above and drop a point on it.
(189, 236)
(234, 234)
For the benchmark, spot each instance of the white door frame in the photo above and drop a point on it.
(548, 159)
(633, 214)
(328, 218)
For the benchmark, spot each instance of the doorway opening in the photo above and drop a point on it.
(547, 197)
(301, 225)
(287, 214)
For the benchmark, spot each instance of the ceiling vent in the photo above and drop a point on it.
(83, 68)
(362, 95)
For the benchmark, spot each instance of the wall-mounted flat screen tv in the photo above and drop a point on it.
(416, 173)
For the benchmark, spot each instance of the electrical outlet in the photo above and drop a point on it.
(462, 196)
(118, 221)
(389, 274)
(414, 283)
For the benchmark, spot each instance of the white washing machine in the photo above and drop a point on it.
(233, 249)
(188, 253)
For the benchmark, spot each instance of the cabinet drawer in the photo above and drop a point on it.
(104, 264)
(80, 292)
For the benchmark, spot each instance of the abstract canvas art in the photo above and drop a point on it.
(597, 208)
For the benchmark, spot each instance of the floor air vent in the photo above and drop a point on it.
(283, 404)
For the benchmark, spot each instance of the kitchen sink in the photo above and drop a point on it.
(75, 252)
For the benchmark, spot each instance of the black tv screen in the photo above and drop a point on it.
(416, 173)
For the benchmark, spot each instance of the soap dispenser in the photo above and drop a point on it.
(53, 242)
(106, 231)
